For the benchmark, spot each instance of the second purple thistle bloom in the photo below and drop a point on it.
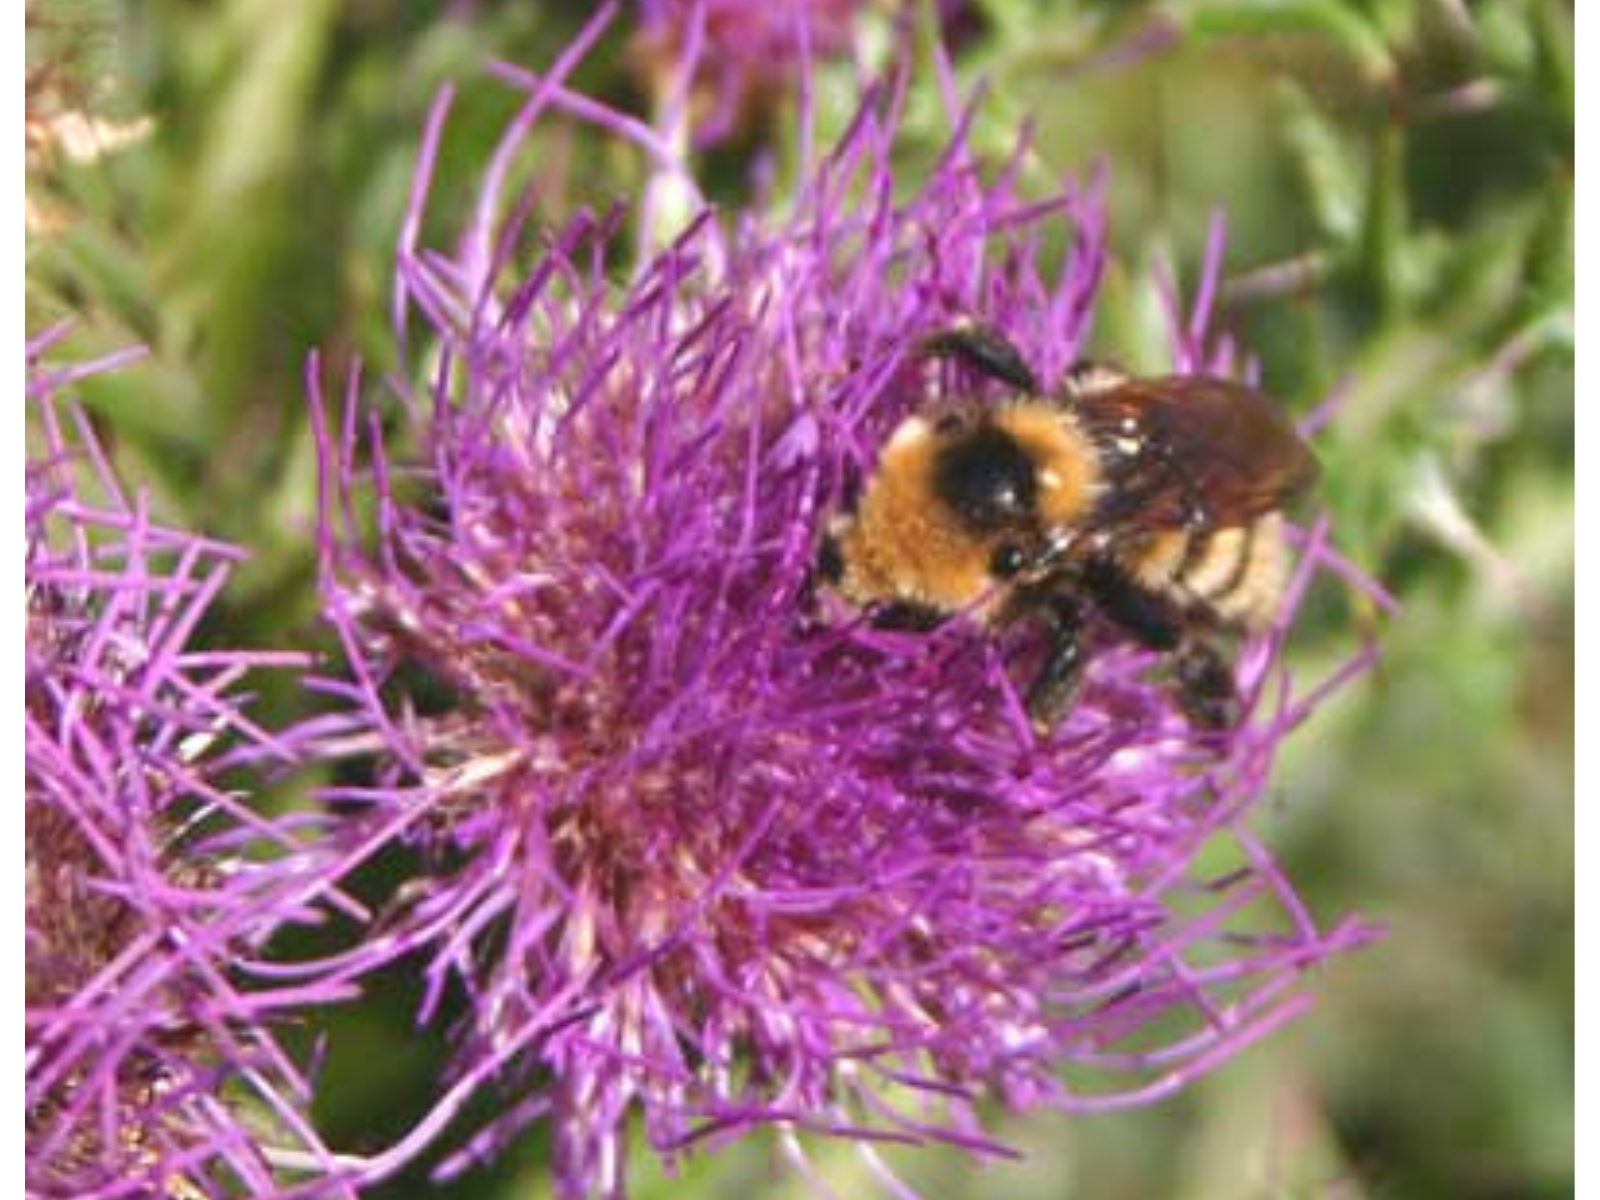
(706, 858)
(155, 886)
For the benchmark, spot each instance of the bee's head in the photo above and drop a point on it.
(959, 500)
(985, 476)
(1020, 477)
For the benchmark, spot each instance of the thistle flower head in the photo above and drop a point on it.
(738, 56)
(706, 854)
(150, 885)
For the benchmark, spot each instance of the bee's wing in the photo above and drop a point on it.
(1191, 448)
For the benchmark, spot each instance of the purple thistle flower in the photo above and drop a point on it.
(151, 885)
(706, 858)
(726, 60)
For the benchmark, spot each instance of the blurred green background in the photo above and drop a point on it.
(1397, 176)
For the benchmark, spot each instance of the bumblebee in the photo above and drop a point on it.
(1155, 504)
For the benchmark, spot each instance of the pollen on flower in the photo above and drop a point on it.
(708, 855)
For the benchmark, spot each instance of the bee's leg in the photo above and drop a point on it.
(905, 615)
(1055, 685)
(1206, 691)
(829, 566)
(1149, 617)
(826, 570)
(1202, 675)
(985, 349)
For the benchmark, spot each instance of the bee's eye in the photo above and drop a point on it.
(1007, 561)
(947, 424)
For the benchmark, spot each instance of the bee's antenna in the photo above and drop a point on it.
(983, 348)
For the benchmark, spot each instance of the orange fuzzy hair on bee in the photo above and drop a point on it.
(906, 543)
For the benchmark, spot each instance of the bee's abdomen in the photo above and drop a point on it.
(1234, 576)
